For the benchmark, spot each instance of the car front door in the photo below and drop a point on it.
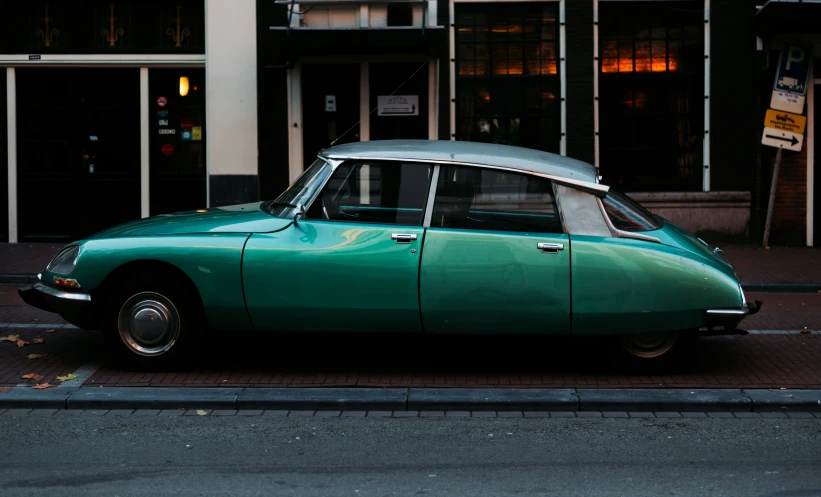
(353, 263)
(495, 258)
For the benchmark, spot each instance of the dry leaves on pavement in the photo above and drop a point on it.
(67, 377)
(42, 386)
(10, 338)
(200, 412)
(36, 356)
(5, 389)
(22, 343)
(50, 331)
(38, 340)
(32, 376)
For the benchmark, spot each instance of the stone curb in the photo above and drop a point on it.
(416, 399)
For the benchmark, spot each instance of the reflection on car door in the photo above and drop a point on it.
(353, 263)
(495, 258)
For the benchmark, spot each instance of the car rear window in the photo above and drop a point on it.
(628, 215)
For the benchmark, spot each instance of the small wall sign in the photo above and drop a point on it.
(162, 101)
(163, 122)
(162, 113)
(196, 133)
(168, 131)
(167, 149)
(398, 105)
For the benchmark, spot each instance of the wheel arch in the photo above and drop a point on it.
(142, 266)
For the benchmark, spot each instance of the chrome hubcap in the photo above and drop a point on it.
(149, 324)
(649, 345)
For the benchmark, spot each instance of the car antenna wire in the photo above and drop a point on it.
(377, 105)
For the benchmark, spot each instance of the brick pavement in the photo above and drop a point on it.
(753, 264)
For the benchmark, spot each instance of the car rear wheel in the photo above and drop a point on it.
(153, 322)
(655, 351)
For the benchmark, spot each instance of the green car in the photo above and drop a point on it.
(435, 237)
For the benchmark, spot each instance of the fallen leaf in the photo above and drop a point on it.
(36, 356)
(805, 331)
(200, 412)
(10, 338)
(38, 340)
(21, 343)
(32, 376)
(50, 331)
(42, 386)
(67, 377)
(5, 389)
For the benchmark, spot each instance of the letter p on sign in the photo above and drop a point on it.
(796, 54)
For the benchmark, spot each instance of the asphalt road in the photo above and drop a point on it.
(87, 455)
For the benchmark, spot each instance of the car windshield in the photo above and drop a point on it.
(628, 215)
(301, 191)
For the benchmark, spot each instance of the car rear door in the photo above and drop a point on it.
(495, 258)
(353, 263)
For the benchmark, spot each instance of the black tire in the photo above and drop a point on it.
(153, 321)
(655, 352)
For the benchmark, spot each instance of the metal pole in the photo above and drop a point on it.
(771, 202)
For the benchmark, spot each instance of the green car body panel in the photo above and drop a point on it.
(334, 276)
(490, 281)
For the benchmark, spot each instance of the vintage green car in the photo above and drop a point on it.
(435, 237)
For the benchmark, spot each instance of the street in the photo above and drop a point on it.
(84, 454)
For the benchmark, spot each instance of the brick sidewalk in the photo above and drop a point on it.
(753, 361)
(753, 265)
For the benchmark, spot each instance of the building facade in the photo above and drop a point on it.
(665, 97)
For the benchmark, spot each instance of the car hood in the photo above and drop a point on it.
(244, 218)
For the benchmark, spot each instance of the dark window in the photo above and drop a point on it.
(400, 14)
(651, 99)
(385, 193)
(507, 74)
(628, 215)
(485, 199)
(101, 26)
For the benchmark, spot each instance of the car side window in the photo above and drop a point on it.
(375, 192)
(486, 199)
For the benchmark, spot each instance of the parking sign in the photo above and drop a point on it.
(790, 87)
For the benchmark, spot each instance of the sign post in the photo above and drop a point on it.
(784, 125)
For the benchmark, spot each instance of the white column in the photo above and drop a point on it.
(811, 159)
(707, 165)
(596, 84)
(563, 78)
(433, 98)
(364, 102)
(231, 87)
(452, 55)
(294, 83)
(145, 197)
(11, 106)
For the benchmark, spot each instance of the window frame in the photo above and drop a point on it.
(431, 206)
(354, 162)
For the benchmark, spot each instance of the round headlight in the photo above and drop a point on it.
(64, 262)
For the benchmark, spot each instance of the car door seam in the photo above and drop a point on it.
(242, 281)
(419, 279)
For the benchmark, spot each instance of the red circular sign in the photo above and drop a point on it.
(186, 123)
(167, 149)
(162, 101)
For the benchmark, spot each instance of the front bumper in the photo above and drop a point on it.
(76, 308)
(730, 318)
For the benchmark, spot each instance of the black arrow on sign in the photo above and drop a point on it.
(792, 139)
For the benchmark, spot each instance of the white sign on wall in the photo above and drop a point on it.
(398, 105)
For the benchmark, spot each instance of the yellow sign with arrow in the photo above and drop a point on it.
(785, 121)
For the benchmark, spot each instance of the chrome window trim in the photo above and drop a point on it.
(596, 189)
(334, 164)
(62, 295)
(617, 233)
(434, 184)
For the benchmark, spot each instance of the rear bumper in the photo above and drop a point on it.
(730, 318)
(76, 308)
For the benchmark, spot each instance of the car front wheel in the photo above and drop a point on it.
(152, 322)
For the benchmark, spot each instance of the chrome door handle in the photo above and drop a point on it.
(403, 237)
(550, 248)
